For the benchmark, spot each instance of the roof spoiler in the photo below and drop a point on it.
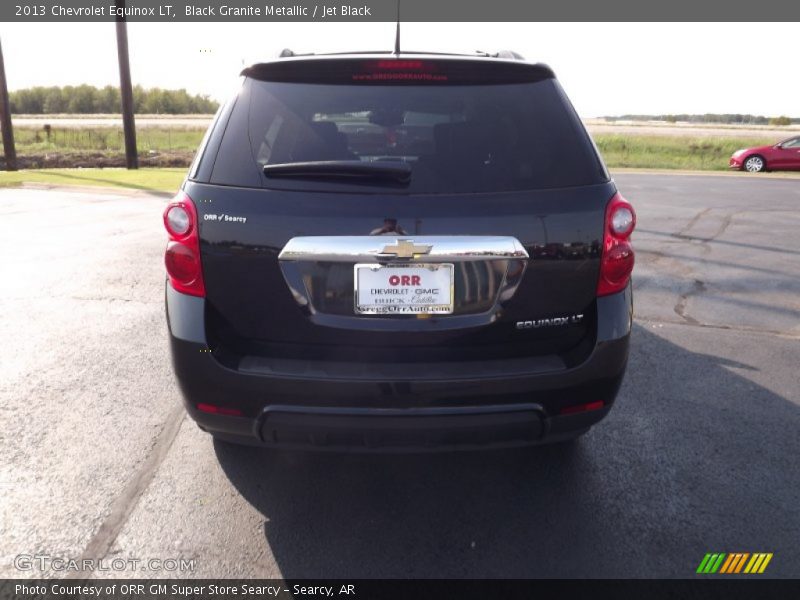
(509, 54)
(371, 69)
(506, 54)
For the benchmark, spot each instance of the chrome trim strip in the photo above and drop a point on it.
(444, 248)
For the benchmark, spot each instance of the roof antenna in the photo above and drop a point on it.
(397, 35)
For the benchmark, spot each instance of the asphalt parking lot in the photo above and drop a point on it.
(699, 455)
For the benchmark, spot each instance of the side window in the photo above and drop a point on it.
(234, 164)
(195, 166)
(794, 143)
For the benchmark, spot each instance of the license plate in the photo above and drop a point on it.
(404, 289)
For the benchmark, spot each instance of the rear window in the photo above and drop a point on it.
(455, 138)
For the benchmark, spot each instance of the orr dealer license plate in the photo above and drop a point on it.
(404, 289)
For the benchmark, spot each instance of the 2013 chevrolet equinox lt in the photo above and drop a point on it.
(413, 251)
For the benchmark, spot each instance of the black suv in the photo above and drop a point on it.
(398, 251)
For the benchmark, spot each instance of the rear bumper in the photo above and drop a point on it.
(286, 404)
(399, 430)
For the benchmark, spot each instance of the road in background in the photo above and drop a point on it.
(699, 454)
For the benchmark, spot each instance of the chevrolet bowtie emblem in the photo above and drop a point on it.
(405, 249)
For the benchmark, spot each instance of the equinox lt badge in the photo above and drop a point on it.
(555, 321)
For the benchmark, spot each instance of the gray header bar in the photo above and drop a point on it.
(386, 10)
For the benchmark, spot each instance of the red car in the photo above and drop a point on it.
(783, 156)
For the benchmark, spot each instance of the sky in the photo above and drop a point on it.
(605, 68)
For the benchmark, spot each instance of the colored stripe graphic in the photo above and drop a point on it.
(730, 564)
(756, 562)
(734, 563)
(741, 563)
(765, 563)
(749, 567)
(703, 563)
(717, 564)
(759, 563)
(727, 564)
(710, 563)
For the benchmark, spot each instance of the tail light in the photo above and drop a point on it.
(580, 408)
(616, 262)
(213, 409)
(182, 257)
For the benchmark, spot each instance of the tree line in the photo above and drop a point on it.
(741, 119)
(87, 99)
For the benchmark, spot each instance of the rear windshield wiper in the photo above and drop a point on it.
(342, 169)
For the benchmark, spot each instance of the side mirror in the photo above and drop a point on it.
(778, 146)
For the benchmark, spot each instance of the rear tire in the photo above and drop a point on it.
(755, 164)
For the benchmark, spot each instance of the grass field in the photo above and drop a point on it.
(151, 180)
(35, 140)
(618, 150)
(672, 152)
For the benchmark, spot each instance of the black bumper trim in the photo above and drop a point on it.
(387, 428)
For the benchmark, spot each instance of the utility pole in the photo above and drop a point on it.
(126, 90)
(5, 119)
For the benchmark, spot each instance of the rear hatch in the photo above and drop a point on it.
(327, 185)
